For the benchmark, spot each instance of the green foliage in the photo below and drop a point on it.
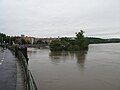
(67, 44)
(94, 40)
(55, 45)
(10, 40)
(3, 38)
(81, 41)
(23, 41)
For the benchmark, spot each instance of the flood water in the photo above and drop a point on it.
(95, 69)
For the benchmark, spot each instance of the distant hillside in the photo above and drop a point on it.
(94, 40)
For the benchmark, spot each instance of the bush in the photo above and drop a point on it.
(55, 45)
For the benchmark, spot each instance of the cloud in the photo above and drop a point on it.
(49, 18)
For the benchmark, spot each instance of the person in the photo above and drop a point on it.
(24, 51)
(6, 46)
(2, 47)
(16, 50)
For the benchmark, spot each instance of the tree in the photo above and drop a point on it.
(65, 43)
(2, 37)
(81, 40)
(55, 45)
(23, 41)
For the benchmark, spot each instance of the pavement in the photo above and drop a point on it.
(10, 72)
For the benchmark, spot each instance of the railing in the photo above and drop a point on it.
(28, 78)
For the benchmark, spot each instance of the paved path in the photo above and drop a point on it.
(11, 75)
(8, 70)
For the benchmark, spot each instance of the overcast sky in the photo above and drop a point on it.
(52, 18)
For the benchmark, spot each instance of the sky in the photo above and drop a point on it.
(53, 18)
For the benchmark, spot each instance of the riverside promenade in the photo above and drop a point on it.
(10, 72)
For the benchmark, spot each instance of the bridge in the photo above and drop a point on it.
(14, 72)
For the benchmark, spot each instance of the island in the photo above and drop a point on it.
(70, 44)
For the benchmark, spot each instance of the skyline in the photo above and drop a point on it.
(94, 36)
(53, 18)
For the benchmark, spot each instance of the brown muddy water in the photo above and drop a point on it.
(95, 69)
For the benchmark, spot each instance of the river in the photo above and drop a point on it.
(95, 69)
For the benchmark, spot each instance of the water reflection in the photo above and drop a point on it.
(79, 56)
(32, 50)
(57, 57)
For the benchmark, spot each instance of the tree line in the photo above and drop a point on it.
(77, 43)
(94, 40)
(12, 39)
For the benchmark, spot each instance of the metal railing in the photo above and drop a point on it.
(28, 78)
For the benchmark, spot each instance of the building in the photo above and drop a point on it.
(22, 35)
(48, 40)
(29, 39)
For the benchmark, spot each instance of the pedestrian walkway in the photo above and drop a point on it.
(10, 72)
